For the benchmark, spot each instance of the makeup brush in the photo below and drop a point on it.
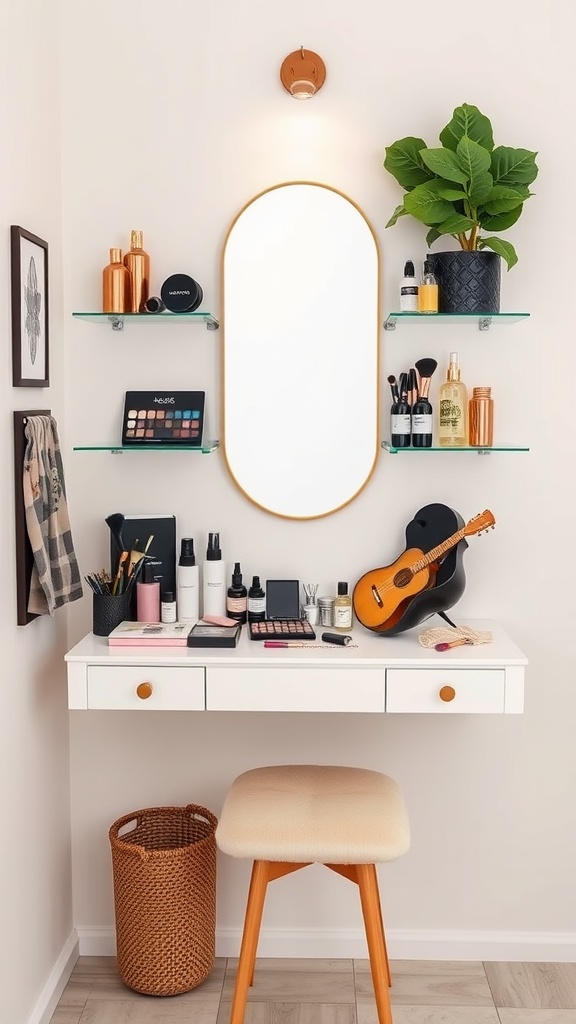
(393, 387)
(116, 521)
(422, 409)
(412, 386)
(425, 368)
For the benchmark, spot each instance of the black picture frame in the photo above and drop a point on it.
(29, 276)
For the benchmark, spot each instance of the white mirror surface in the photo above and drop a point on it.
(300, 335)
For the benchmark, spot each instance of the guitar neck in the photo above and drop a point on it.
(438, 551)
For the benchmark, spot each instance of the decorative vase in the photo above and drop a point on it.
(468, 282)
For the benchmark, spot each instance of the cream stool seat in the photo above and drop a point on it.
(285, 817)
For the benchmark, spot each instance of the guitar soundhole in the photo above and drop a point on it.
(403, 578)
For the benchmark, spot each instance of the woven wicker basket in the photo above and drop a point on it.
(164, 871)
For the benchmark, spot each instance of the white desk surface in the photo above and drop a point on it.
(367, 649)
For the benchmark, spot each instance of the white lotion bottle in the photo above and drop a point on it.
(187, 583)
(409, 289)
(214, 578)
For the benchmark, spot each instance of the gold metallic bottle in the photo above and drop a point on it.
(115, 285)
(481, 418)
(138, 263)
(453, 408)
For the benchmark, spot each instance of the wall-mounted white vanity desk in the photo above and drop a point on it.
(375, 675)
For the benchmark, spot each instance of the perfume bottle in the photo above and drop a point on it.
(137, 261)
(428, 291)
(453, 408)
(115, 285)
(342, 612)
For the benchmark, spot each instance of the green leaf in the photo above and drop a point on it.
(444, 164)
(404, 162)
(503, 198)
(513, 166)
(504, 249)
(480, 189)
(432, 236)
(467, 120)
(449, 191)
(473, 159)
(400, 211)
(500, 221)
(455, 225)
(426, 205)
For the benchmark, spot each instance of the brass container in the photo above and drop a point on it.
(481, 418)
(115, 285)
(137, 262)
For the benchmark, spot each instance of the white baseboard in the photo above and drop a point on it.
(54, 987)
(542, 947)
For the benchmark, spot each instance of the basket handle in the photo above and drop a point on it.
(197, 811)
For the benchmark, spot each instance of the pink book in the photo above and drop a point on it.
(150, 634)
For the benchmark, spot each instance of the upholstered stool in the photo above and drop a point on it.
(286, 817)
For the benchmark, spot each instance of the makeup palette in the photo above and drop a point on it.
(282, 620)
(163, 417)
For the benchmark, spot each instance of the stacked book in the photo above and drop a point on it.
(173, 634)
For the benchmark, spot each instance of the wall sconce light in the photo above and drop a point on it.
(302, 73)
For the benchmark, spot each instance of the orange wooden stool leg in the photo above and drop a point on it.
(252, 921)
(370, 900)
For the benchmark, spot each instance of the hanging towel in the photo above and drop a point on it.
(55, 575)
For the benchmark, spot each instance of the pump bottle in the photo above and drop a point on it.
(453, 408)
(138, 263)
(214, 578)
(187, 583)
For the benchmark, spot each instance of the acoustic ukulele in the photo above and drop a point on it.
(381, 592)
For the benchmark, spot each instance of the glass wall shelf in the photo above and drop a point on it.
(117, 320)
(484, 320)
(465, 448)
(119, 449)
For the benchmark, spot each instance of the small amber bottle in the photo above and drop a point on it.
(428, 291)
(115, 285)
(138, 263)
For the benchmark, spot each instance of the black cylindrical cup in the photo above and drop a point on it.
(109, 611)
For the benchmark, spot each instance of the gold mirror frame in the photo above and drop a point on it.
(300, 336)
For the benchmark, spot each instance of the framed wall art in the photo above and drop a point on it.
(29, 273)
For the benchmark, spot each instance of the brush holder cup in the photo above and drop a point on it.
(108, 611)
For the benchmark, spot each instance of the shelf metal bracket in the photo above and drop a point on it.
(389, 324)
(484, 323)
(212, 324)
(117, 323)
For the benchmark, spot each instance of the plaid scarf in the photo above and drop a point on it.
(55, 576)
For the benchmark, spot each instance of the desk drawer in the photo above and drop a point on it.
(289, 688)
(445, 691)
(160, 689)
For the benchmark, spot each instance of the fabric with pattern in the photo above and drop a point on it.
(55, 575)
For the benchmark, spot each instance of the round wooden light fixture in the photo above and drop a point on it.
(302, 73)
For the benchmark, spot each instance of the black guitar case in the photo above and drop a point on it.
(432, 525)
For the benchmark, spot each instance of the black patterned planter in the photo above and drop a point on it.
(468, 282)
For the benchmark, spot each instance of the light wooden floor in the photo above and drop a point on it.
(333, 992)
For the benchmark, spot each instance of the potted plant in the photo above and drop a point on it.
(462, 188)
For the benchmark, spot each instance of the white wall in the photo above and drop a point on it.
(173, 118)
(35, 890)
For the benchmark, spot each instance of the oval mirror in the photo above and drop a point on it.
(300, 356)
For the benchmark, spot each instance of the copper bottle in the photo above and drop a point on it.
(115, 285)
(138, 263)
(481, 418)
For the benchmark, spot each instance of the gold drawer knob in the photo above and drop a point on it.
(447, 693)
(144, 690)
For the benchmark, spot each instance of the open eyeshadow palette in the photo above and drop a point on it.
(163, 417)
(282, 620)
